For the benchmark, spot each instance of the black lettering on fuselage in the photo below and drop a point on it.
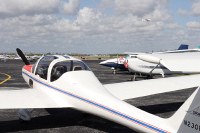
(191, 125)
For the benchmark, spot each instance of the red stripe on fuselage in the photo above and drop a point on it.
(28, 67)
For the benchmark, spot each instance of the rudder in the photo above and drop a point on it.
(183, 47)
(187, 118)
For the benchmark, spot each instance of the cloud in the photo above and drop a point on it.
(138, 8)
(183, 12)
(35, 26)
(71, 7)
(13, 8)
(27, 7)
(48, 26)
(128, 18)
(194, 11)
(54, 31)
(193, 25)
(106, 4)
(173, 26)
(87, 15)
(195, 8)
(135, 7)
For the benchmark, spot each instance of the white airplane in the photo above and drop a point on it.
(4, 57)
(115, 64)
(118, 63)
(146, 19)
(165, 63)
(35, 57)
(65, 82)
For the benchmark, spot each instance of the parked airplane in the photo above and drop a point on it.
(183, 48)
(4, 57)
(165, 63)
(118, 63)
(66, 82)
(146, 19)
(30, 58)
(35, 57)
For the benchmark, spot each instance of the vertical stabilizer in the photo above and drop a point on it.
(187, 118)
(183, 47)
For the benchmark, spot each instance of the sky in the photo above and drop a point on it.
(98, 26)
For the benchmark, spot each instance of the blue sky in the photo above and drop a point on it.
(89, 3)
(175, 6)
(98, 26)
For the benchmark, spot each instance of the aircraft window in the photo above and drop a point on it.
(76, 68)
(62, 67)
(127, 56)
(133, 56)
(77, 65)
(43, 66)
(66, 56)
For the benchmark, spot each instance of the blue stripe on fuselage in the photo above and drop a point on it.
(99, 105)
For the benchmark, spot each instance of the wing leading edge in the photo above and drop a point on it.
(128, 90)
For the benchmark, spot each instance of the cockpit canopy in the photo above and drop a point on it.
(66, 66)
(58, 65)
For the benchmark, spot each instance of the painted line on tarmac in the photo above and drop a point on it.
(8, 78)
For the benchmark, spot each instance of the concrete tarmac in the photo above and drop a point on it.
(72, 121)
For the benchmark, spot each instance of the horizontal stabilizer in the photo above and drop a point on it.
(128, 90)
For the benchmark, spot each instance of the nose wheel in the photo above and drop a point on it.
(114, 70)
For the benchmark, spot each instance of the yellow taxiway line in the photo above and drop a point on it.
(8, 78)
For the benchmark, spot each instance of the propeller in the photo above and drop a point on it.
(23, 57)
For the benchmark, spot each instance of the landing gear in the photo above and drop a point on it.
(149, 77)
(163, 75)
(134, 77)
(114, 70)
(25, 115)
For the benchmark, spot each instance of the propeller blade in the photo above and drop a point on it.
(23, 57)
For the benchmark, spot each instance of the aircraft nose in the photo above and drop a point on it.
(103, 62)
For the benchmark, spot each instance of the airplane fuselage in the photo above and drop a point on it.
(83, 91)
(171, 63)
(65, 82)
(116, 63)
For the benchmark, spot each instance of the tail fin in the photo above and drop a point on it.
(183, 46)
(187, 118)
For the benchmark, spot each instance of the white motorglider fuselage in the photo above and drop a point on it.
(66, 82)
(81, 90)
